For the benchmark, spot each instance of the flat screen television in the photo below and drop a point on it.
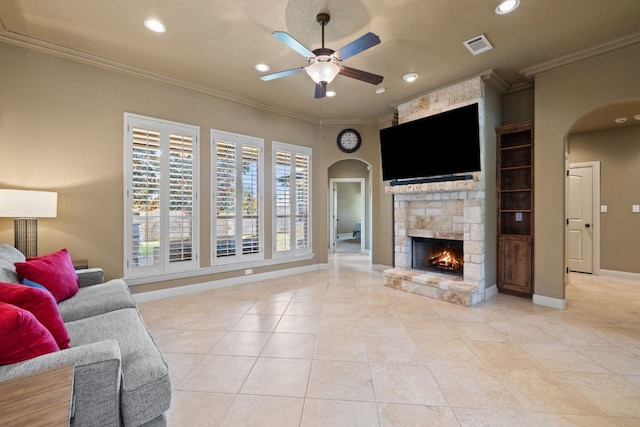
(436, 146)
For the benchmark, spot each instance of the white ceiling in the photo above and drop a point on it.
(213, 45)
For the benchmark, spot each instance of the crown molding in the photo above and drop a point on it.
(119, 67)
(581, 55)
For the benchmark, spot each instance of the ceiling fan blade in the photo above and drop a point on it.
(321, 90)
(279, 74)
(358, 45)
(354, 73)
(293, 44)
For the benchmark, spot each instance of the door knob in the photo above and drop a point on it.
(587, 225)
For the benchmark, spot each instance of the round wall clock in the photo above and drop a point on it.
(349, 140)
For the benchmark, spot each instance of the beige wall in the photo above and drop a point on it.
(61, 129)
(561, 97)
(618, 151)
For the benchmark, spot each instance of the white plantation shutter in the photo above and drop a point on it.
(292, 206)
(237, 198)
(302, 201)
(161, 196)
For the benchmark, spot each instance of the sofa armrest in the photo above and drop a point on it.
(90, 276)
(96, 382)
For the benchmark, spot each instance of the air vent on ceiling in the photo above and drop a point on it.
(478, 44)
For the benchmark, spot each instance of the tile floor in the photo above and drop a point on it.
(338, 348)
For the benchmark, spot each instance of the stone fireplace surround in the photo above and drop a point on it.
(444, 210)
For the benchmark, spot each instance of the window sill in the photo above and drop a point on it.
(204, 271)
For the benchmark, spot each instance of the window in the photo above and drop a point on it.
(292, 204)
(237, 220)
(161, 213)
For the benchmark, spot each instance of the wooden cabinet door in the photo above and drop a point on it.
(514, 264)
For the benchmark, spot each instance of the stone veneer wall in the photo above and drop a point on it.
(448, 210)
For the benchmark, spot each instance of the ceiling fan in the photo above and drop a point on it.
(324, 63)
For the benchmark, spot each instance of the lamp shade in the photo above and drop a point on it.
(322, 71)
(28, 204)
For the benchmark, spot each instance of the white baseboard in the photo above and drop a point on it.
(380, 267)
(560, 304)
(620, 274)
(215, 284)
(490, 291)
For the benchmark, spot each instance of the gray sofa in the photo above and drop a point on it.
(120, 376)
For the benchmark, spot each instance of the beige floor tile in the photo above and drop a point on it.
(340, 325)
(476, 331)
(612, 393)
(341, 347)
(257, 323)
(269, 307)
(501, 354)
(299, 324)
(217, 321)
(408, 384)
(340, 381)
(215, 373)
(278, 377)
(474, 388)
(189, 341)
(540, 390)
(394, 350)
(336, 347)
(334, 413)
(292, 346)
(241, 343)
(264, 411)
(617, 360)
(447, 352)
(304, 309)
(394, 415)
(562, 358)
(195, 408)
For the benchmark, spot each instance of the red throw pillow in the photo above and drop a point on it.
(40, 302)
(54, 271)
(22, 337)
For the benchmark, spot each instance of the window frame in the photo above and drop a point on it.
(293, 150)
(166, 130)
(240, 141)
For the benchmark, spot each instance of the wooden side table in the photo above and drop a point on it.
(42, 399)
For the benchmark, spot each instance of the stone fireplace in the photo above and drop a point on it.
(446, 211)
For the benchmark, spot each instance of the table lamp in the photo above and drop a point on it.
(26, 206)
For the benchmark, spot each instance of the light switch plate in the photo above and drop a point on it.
(635, 208)
(603, 208)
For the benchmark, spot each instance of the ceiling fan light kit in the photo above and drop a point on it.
(325, 64)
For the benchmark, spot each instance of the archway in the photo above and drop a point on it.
(599, 142)
(357, 215)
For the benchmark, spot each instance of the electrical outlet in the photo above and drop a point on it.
(248, 271)
(635, 208)
(603, 208)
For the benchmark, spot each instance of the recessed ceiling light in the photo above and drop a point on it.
(330, 93)
(262, 68)
(380, 90)
(409, 77)
(507, 6)
(620, 120)
(154, 25)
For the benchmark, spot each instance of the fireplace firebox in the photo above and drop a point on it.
(437, 255)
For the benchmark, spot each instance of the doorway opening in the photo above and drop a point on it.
(348, 215)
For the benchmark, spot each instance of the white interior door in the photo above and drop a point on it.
(580, 219)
